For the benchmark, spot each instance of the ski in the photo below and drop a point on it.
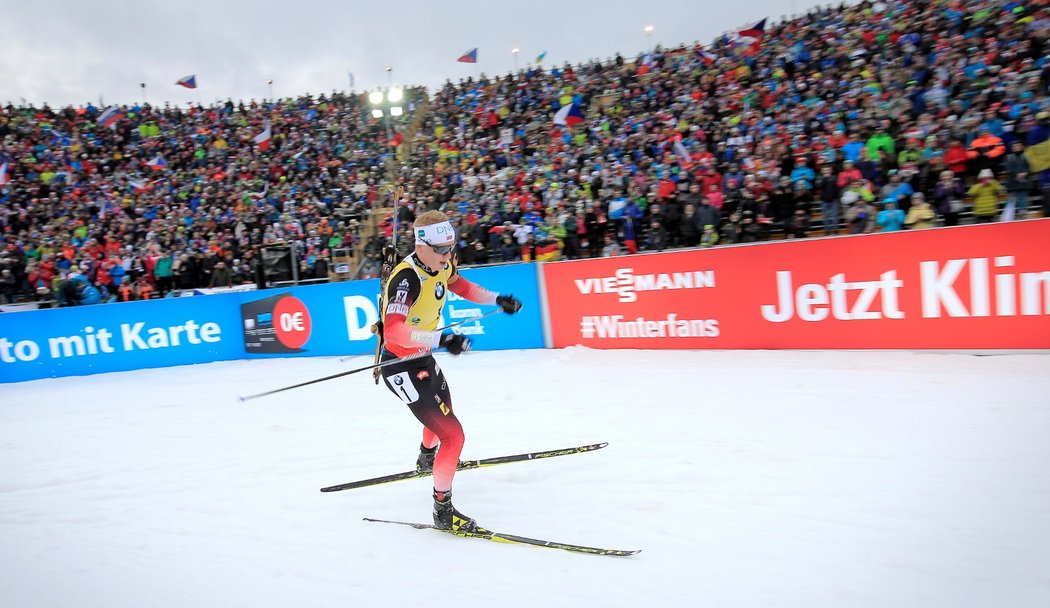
(465, 465)
(513, 539)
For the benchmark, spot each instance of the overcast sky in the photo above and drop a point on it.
(73, 51)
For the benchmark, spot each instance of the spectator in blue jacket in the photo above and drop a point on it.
(891, 218)
(803, 173)
(75, 290)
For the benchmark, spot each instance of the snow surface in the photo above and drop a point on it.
(751, 479)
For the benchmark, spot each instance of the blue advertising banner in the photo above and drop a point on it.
(321, 320)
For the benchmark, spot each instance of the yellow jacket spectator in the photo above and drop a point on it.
(921, 215)
(986, 195)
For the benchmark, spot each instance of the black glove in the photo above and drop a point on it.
(509, 303)
(454, 343)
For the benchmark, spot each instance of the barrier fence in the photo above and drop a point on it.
(970, 287)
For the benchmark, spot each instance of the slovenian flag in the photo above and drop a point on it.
(263, 139)
(470, 56)
(190, 82)
(110, 116)
(158, 163)
(4, 178)
(570, 115)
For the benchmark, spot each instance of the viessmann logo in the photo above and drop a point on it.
(626, 284)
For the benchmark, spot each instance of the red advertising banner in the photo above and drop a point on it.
(969, 287)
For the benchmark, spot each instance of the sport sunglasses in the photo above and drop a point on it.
(442, 249)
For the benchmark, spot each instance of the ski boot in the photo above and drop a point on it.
(425, 461)
(447, 517)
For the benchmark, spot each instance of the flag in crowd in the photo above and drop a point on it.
(540, 57)
(1038, 149)
(109, 117)
(569, 115)
(751, 37)
(137, 186)
(708, 57)
(62, 140)
(470, 56)
(190, 82)
(3, 174)
(647, 64)
(260, 195)
(158, 163)
(263, 139)
(682, 152)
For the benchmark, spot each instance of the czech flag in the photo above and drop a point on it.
(709, 59)
(158, 163)
(110, 116)
(755, 30)
(470, 56)
(190, 82)
(570, 115)
(4, 178)
(263, 139)
(137, 187)
(752, 37)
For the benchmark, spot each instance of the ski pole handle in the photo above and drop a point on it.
(444, 327)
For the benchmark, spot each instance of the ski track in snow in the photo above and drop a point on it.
(761, 478)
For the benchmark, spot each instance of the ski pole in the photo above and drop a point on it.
(339, 375)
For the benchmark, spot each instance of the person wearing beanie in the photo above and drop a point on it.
(986, 194)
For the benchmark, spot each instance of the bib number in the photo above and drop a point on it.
(402, 385)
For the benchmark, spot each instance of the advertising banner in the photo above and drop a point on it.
(971, 287)
(321, 320)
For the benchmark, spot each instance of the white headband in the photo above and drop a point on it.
(436, 234)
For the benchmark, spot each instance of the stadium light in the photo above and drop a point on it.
(375, 98)
(395, 95)
(396, 111)
(377, 113)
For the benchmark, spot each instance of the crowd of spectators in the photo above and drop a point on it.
(174, 199)
(849, 119)
(880, 115)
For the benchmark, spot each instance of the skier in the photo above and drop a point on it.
(413, 300)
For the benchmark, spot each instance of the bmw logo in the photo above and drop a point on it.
(439, 290)
(398, 380)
